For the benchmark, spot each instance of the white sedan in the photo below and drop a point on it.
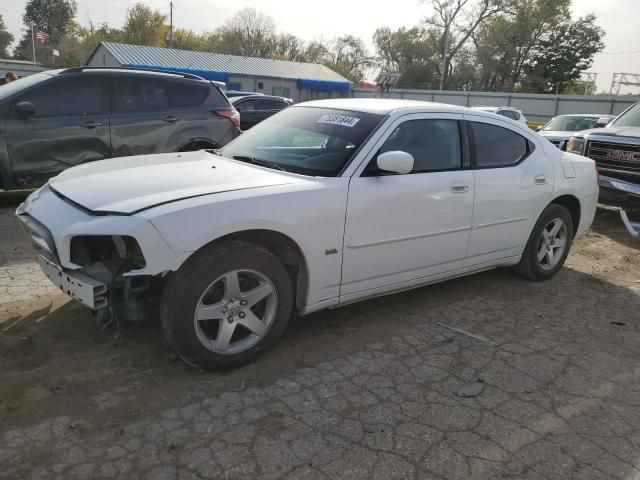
(508, 112)
(323, 204)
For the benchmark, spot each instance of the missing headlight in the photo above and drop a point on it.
(116, 253)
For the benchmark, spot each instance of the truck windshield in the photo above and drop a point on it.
(307, 140)
(571, 123)
(630, 118)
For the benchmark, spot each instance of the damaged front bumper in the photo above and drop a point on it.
(624, 195)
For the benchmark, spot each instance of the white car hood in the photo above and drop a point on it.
(128, 185)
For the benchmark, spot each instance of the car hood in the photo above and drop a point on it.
(128, 185)
(557, 133)
(613, 131)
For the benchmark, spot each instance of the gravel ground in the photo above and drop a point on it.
(372, 390)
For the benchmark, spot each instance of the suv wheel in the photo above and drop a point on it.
(226, 305)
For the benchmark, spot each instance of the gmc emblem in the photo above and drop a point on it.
(622, 155)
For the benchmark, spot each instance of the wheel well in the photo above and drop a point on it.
(572, 204)
(286, 250)
(197, 145)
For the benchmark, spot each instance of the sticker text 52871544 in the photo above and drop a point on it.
(343, 120)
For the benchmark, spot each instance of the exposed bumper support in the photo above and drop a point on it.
(632, 227)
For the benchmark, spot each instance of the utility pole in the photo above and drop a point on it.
(444, 54)
(33, 44)
(170, 24)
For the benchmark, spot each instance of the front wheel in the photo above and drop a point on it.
(226, 305)
(548, 245)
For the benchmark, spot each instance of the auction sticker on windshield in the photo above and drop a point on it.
(343, 120)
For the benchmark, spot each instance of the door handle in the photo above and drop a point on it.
(540, 180)
(91, 124)
(459, 187)
(171, 119)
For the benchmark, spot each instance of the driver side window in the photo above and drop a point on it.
(434, 144)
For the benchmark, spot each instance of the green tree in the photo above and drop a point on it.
(563, 55)
(54, 17)
(144, 26)
(5, 39)
(506, 43)
(413, 52)
(458, 20)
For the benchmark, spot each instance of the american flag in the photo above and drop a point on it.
(42, 36)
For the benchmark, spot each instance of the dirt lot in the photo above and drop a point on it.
(372, 390)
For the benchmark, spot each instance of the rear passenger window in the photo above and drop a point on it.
(434, 144)
(187, 96)
(140, 95)
(497, 146)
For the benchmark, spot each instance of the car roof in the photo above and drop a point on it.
(126, 71)
(381, 106)
(489, 108)
(258, 96)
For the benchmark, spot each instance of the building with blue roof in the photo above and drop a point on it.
(296, 80)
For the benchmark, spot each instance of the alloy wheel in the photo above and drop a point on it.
(235, 311)
(552, 244)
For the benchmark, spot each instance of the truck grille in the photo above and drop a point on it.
(623, 160)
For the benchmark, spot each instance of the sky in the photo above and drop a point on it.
(330, 18)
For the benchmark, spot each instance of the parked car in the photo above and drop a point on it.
(239, 93)
(323, 204)
(509, 112)
(560, 129)
(616, 151)
(60, 118)
(255, 108)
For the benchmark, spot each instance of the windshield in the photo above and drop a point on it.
(630, 118)
(307, 140)
(571, 124)
(8, 89)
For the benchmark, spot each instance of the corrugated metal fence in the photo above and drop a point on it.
(536, 107)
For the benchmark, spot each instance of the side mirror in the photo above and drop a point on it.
(395, 161)
(25, 109)
(602, 122)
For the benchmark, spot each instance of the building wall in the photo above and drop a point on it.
(536, 107)
(21, 69)
(103, 58)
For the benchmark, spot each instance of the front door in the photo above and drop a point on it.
(514, 182)
(404, 228)
(69, 126)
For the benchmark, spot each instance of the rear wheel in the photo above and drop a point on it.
(226, 305)
(548, 245)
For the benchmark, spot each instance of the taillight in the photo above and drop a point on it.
(232, 115)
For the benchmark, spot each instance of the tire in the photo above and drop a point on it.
(539, 244)
(207, 314)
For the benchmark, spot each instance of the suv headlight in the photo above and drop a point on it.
(576, 145)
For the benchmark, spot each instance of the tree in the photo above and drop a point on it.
(289, 47)
(144, 26)
(5, 39)
(187, 40)
(348, 56)
(563, 55)
(54, 17)
(249, 33)
(506, 43)
(458, 20)
(413, 52)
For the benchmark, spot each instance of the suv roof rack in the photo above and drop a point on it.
(168, 72)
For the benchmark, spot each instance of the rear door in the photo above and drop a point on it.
(199, 108)
(513, 183)
(142, 120)
(70, 126)
(249, 113)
